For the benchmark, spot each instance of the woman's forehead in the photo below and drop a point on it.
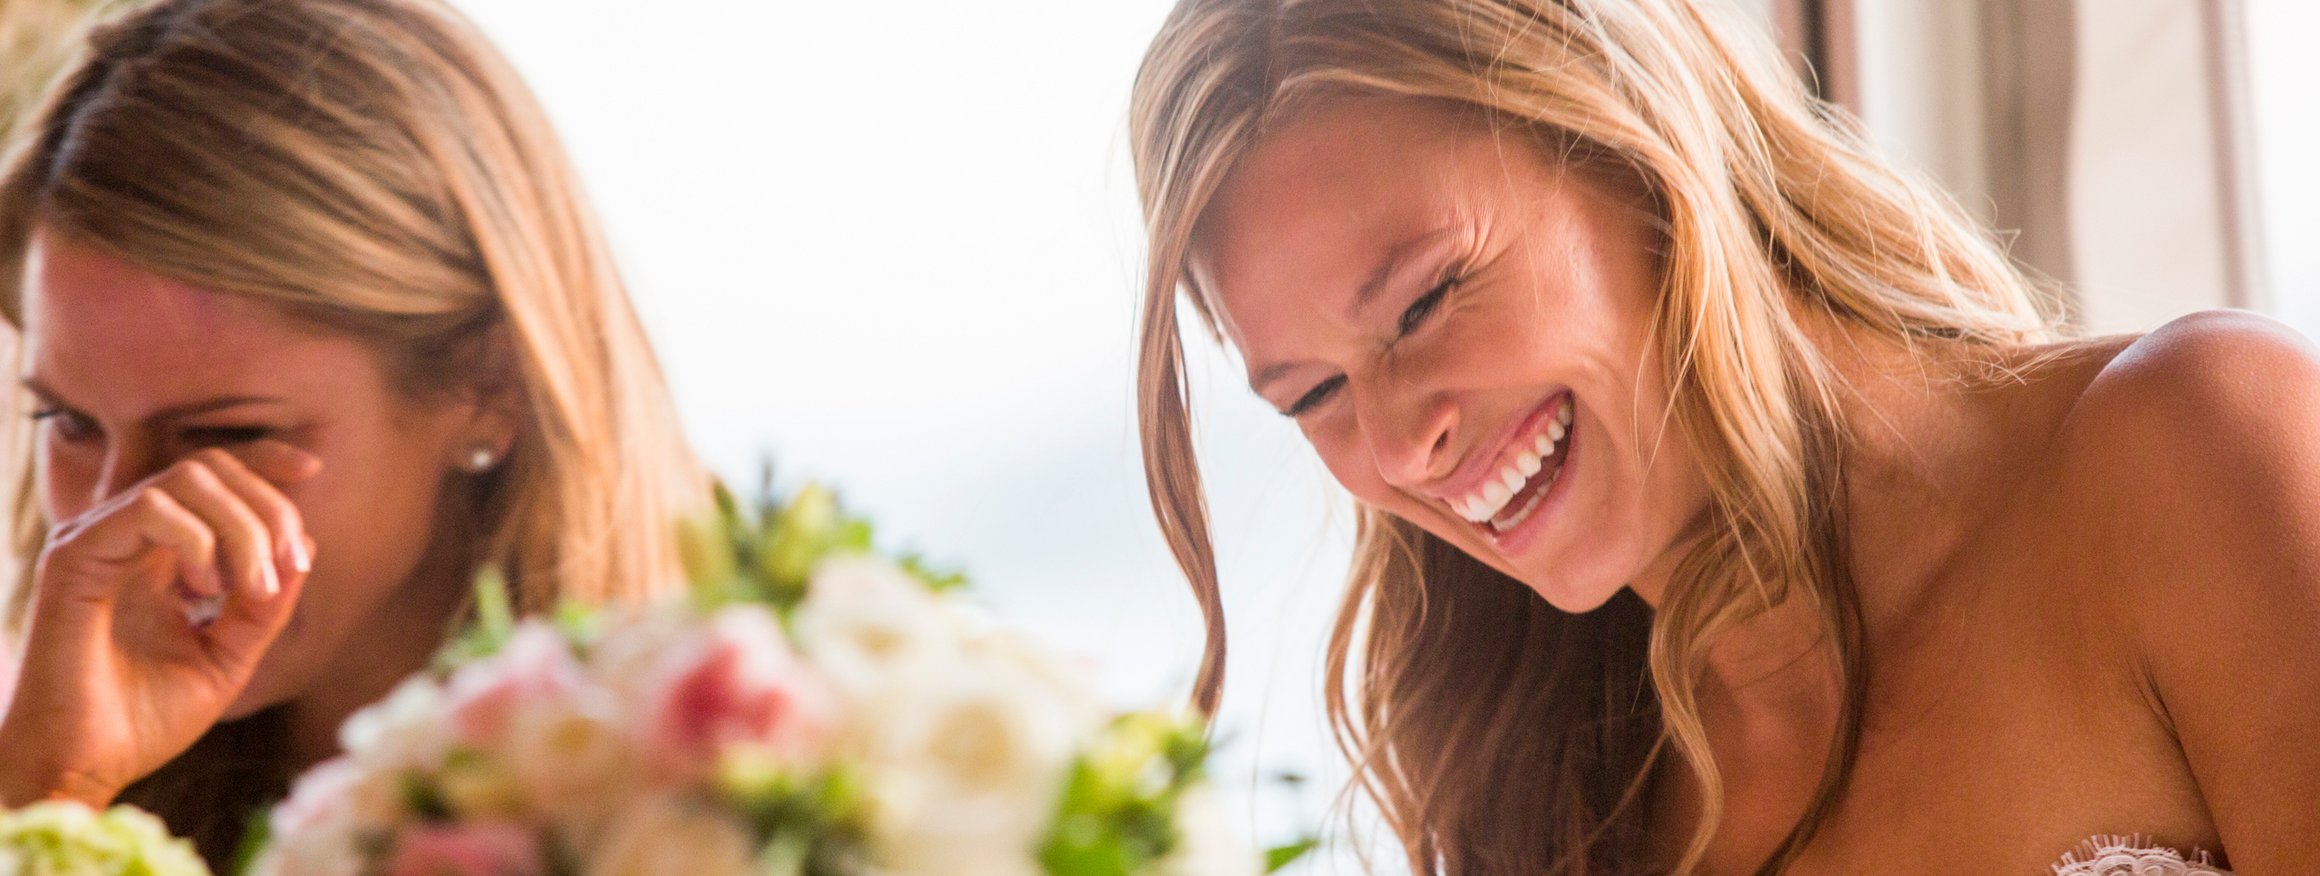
(98, 325)
(1313, 209)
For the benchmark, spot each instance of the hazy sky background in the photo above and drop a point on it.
(895, 246)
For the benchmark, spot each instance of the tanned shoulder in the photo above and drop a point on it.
(2191, 465)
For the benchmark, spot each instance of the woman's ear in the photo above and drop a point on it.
(494, 407)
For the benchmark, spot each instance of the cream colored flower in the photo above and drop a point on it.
(410, 729)
(575, 759)
(863, 618)
(1204, 845)
(966, 758)
(667, 836)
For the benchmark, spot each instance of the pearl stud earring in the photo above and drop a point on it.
(481, 459)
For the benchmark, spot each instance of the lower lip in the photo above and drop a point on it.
(1526, 533)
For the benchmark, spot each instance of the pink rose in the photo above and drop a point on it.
(485, 849)
(536, 665)
(740, 684)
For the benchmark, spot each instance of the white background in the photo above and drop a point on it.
(2284, 85)
(895, 246)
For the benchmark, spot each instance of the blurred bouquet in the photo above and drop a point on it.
(813, 709)
(67, 839)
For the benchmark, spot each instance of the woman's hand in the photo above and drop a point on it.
(150, 613)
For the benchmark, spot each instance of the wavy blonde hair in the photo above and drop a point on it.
(1497, 734)
(375, 167)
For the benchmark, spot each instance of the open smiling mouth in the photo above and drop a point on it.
(1532, 462)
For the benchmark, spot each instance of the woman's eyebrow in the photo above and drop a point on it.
(1391, 263)
(173, 412)
(1388, 265)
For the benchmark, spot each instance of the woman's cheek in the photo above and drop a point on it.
(1338, 442)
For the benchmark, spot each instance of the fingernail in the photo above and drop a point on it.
(273, 581)
(300, 559)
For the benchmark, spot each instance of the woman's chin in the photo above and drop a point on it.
(1574, 596)
(1570, 599)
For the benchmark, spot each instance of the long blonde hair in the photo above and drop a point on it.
(1497, 734)
(375, 166)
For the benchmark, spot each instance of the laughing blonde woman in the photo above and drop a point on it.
(1730, 503)
(314, 322)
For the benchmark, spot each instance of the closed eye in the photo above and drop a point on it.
(1315, 396)
(1424, 307)
(223, 436)
(68, 425)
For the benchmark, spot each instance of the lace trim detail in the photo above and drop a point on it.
(2127, 856)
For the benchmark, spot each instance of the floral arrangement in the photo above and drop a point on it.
(67, 839)
(813, 709)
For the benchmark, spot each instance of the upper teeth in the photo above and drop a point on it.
(1500, 488)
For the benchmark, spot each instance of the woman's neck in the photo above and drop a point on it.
(1920, 432)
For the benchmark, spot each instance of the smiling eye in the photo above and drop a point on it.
(69, 426)
(1314, 397)
(1425, 306)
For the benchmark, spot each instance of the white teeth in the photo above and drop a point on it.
(1497, 491)
(1528, 507)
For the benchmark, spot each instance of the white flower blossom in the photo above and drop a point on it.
(863, 618)
(672, 837)
(1204, 845)
(966, 759)
(407, 730)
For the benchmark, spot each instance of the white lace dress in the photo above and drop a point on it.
(2126, 856)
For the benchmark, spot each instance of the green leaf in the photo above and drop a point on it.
(495, 613)
(1278, 857)
(257, 833)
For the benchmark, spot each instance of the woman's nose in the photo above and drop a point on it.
(1409, 431)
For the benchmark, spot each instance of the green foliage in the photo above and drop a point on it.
(763, 551)
(766, 550)
(257, 831)
(57, 838)
(1117, 816)
(1279, 857)
(494, 620)
(806, 825)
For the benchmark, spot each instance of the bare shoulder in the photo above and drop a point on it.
(2189, 488)
(2201, 436)
(2209, 405)
(2241, 365)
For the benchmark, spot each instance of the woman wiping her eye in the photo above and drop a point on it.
(314, 322)
(1730, 503)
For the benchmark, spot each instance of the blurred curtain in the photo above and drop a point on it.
(2108, 138)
